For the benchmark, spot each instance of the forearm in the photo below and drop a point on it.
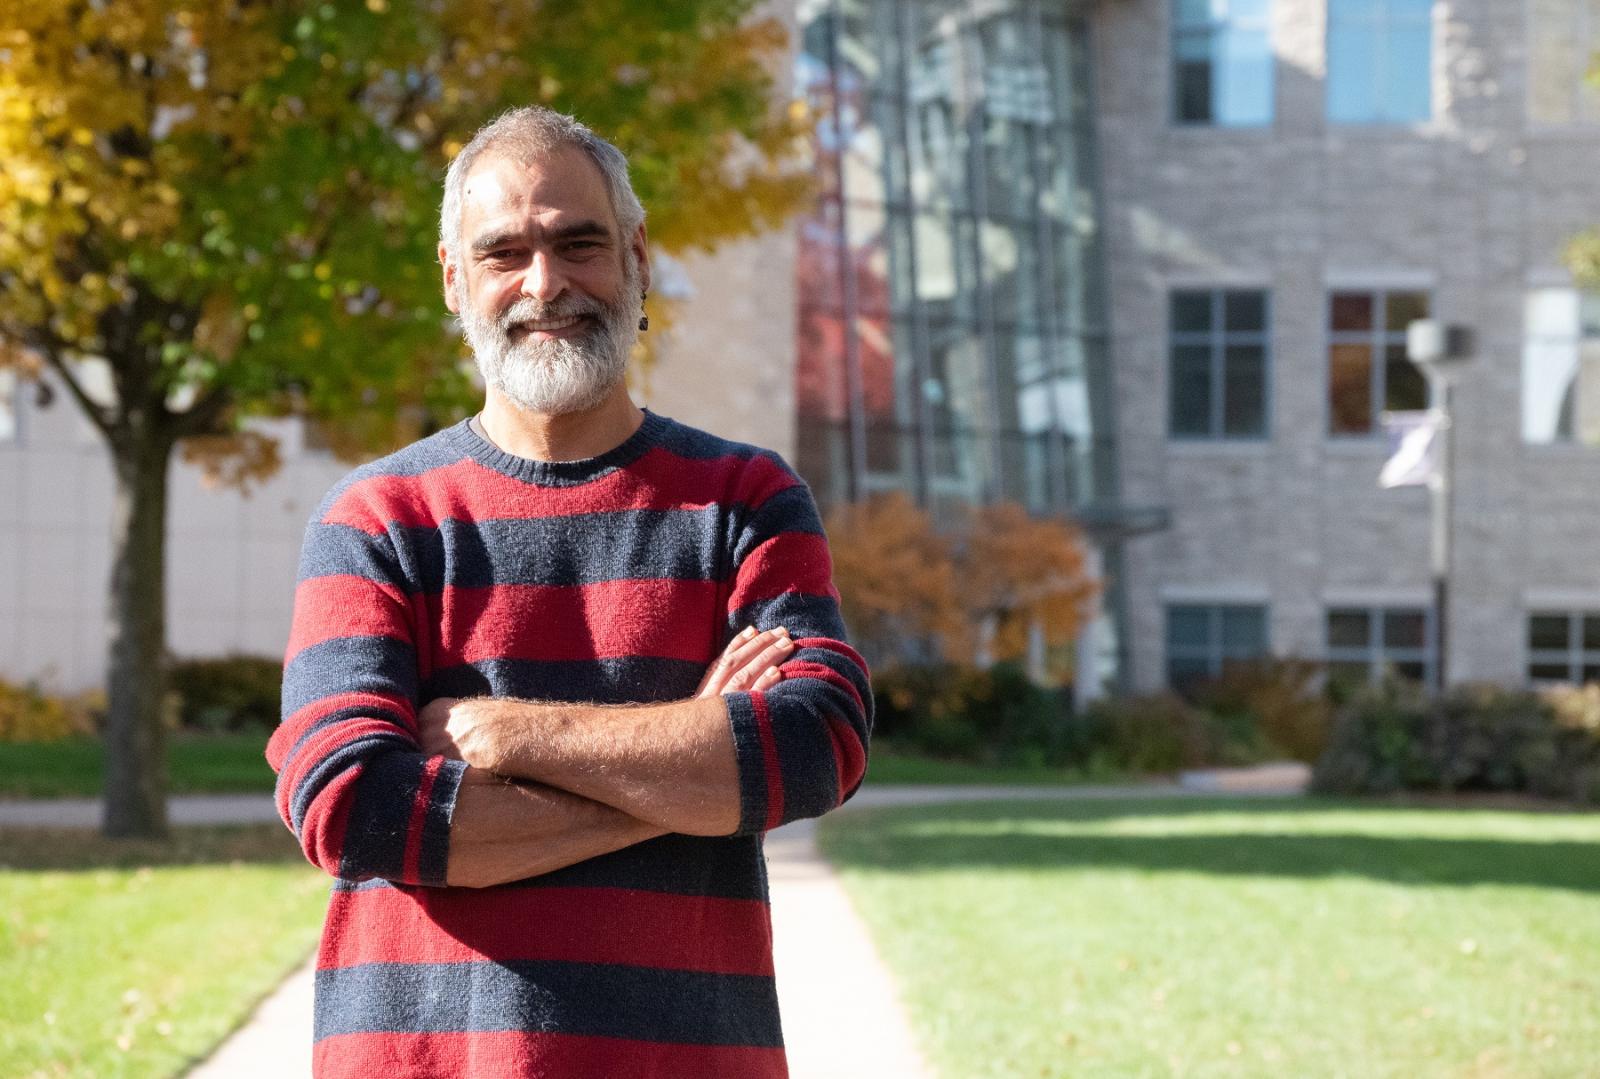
(504, 831)
(671, 765)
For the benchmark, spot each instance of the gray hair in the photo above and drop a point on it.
(525, 135)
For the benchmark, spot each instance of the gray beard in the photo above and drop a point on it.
(562, 375)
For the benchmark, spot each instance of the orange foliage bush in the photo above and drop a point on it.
(1019, 571)
(902, 582)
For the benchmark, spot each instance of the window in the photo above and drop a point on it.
(1222, 62)
(1365, 643)
(1561, 367)
(1562, 38)
(1564, 646)
(1368, 372)
(1201, 638)
(1219, 352)
(1379, 61)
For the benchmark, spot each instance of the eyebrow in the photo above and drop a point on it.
(578, 230)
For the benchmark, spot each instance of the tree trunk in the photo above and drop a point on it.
(135, 736)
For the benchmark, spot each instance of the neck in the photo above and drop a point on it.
(568, 436)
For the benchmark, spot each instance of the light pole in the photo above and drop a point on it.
(1438, 352)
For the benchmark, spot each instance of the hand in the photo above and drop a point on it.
(750, 662)
(453, 728)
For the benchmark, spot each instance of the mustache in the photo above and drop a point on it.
(528, 309)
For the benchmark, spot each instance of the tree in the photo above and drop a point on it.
(1020, 572)
(232, 206)
(977, 593)
(896, 579)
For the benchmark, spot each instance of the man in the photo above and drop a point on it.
(504, 732)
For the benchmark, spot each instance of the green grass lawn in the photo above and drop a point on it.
(892, 765)
(197, 763)
(134, 959)
(1227, 938)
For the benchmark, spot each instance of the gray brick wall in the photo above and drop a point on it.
(1474, 205)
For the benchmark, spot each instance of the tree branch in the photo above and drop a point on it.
(48, 348)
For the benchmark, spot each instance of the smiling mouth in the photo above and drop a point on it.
(549, 325)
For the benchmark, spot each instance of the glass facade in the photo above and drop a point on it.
(951, 326)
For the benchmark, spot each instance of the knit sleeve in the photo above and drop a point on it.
(801, 745)
(352, 785)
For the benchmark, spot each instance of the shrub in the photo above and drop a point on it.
(233, 693)
(30, 715)
(1270, 708)
(965, 713)
(1156, 733)
(1475, 738)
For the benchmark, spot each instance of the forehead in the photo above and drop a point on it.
(502, 193)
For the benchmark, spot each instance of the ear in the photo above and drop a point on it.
(641, 251)
(449, 266)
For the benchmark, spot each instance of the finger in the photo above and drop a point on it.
(743, 650)
(771, 656)
(740, 653)
(769, 678)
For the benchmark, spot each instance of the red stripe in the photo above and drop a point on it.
(618, 618)
(344, 605)
(516, 1052)
(790, 562)
(290, 730)
(322, 831)
(411, 863)
(769, 760)
(466, 490)
(835, 646)
(805, 668)
(580, 925)
(849, 756)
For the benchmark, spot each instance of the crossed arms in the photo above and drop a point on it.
(599, 778)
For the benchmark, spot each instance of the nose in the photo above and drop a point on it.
(543, 280)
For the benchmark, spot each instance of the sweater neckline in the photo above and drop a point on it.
(559, 473)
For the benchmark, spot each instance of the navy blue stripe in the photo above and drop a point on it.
(595, 999)
(710, 866)
(752, 763)
(804, 614)
(375, 835)
(619, 680)
(834, 698)
(335, 550)
(790, 510)
(331, 765)
(435, 854)
(805, 749)
(379, 665)
(581, 549)
(698, 445)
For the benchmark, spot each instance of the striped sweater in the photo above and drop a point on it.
(451, 569)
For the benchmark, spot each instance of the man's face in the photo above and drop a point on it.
(546, 288)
